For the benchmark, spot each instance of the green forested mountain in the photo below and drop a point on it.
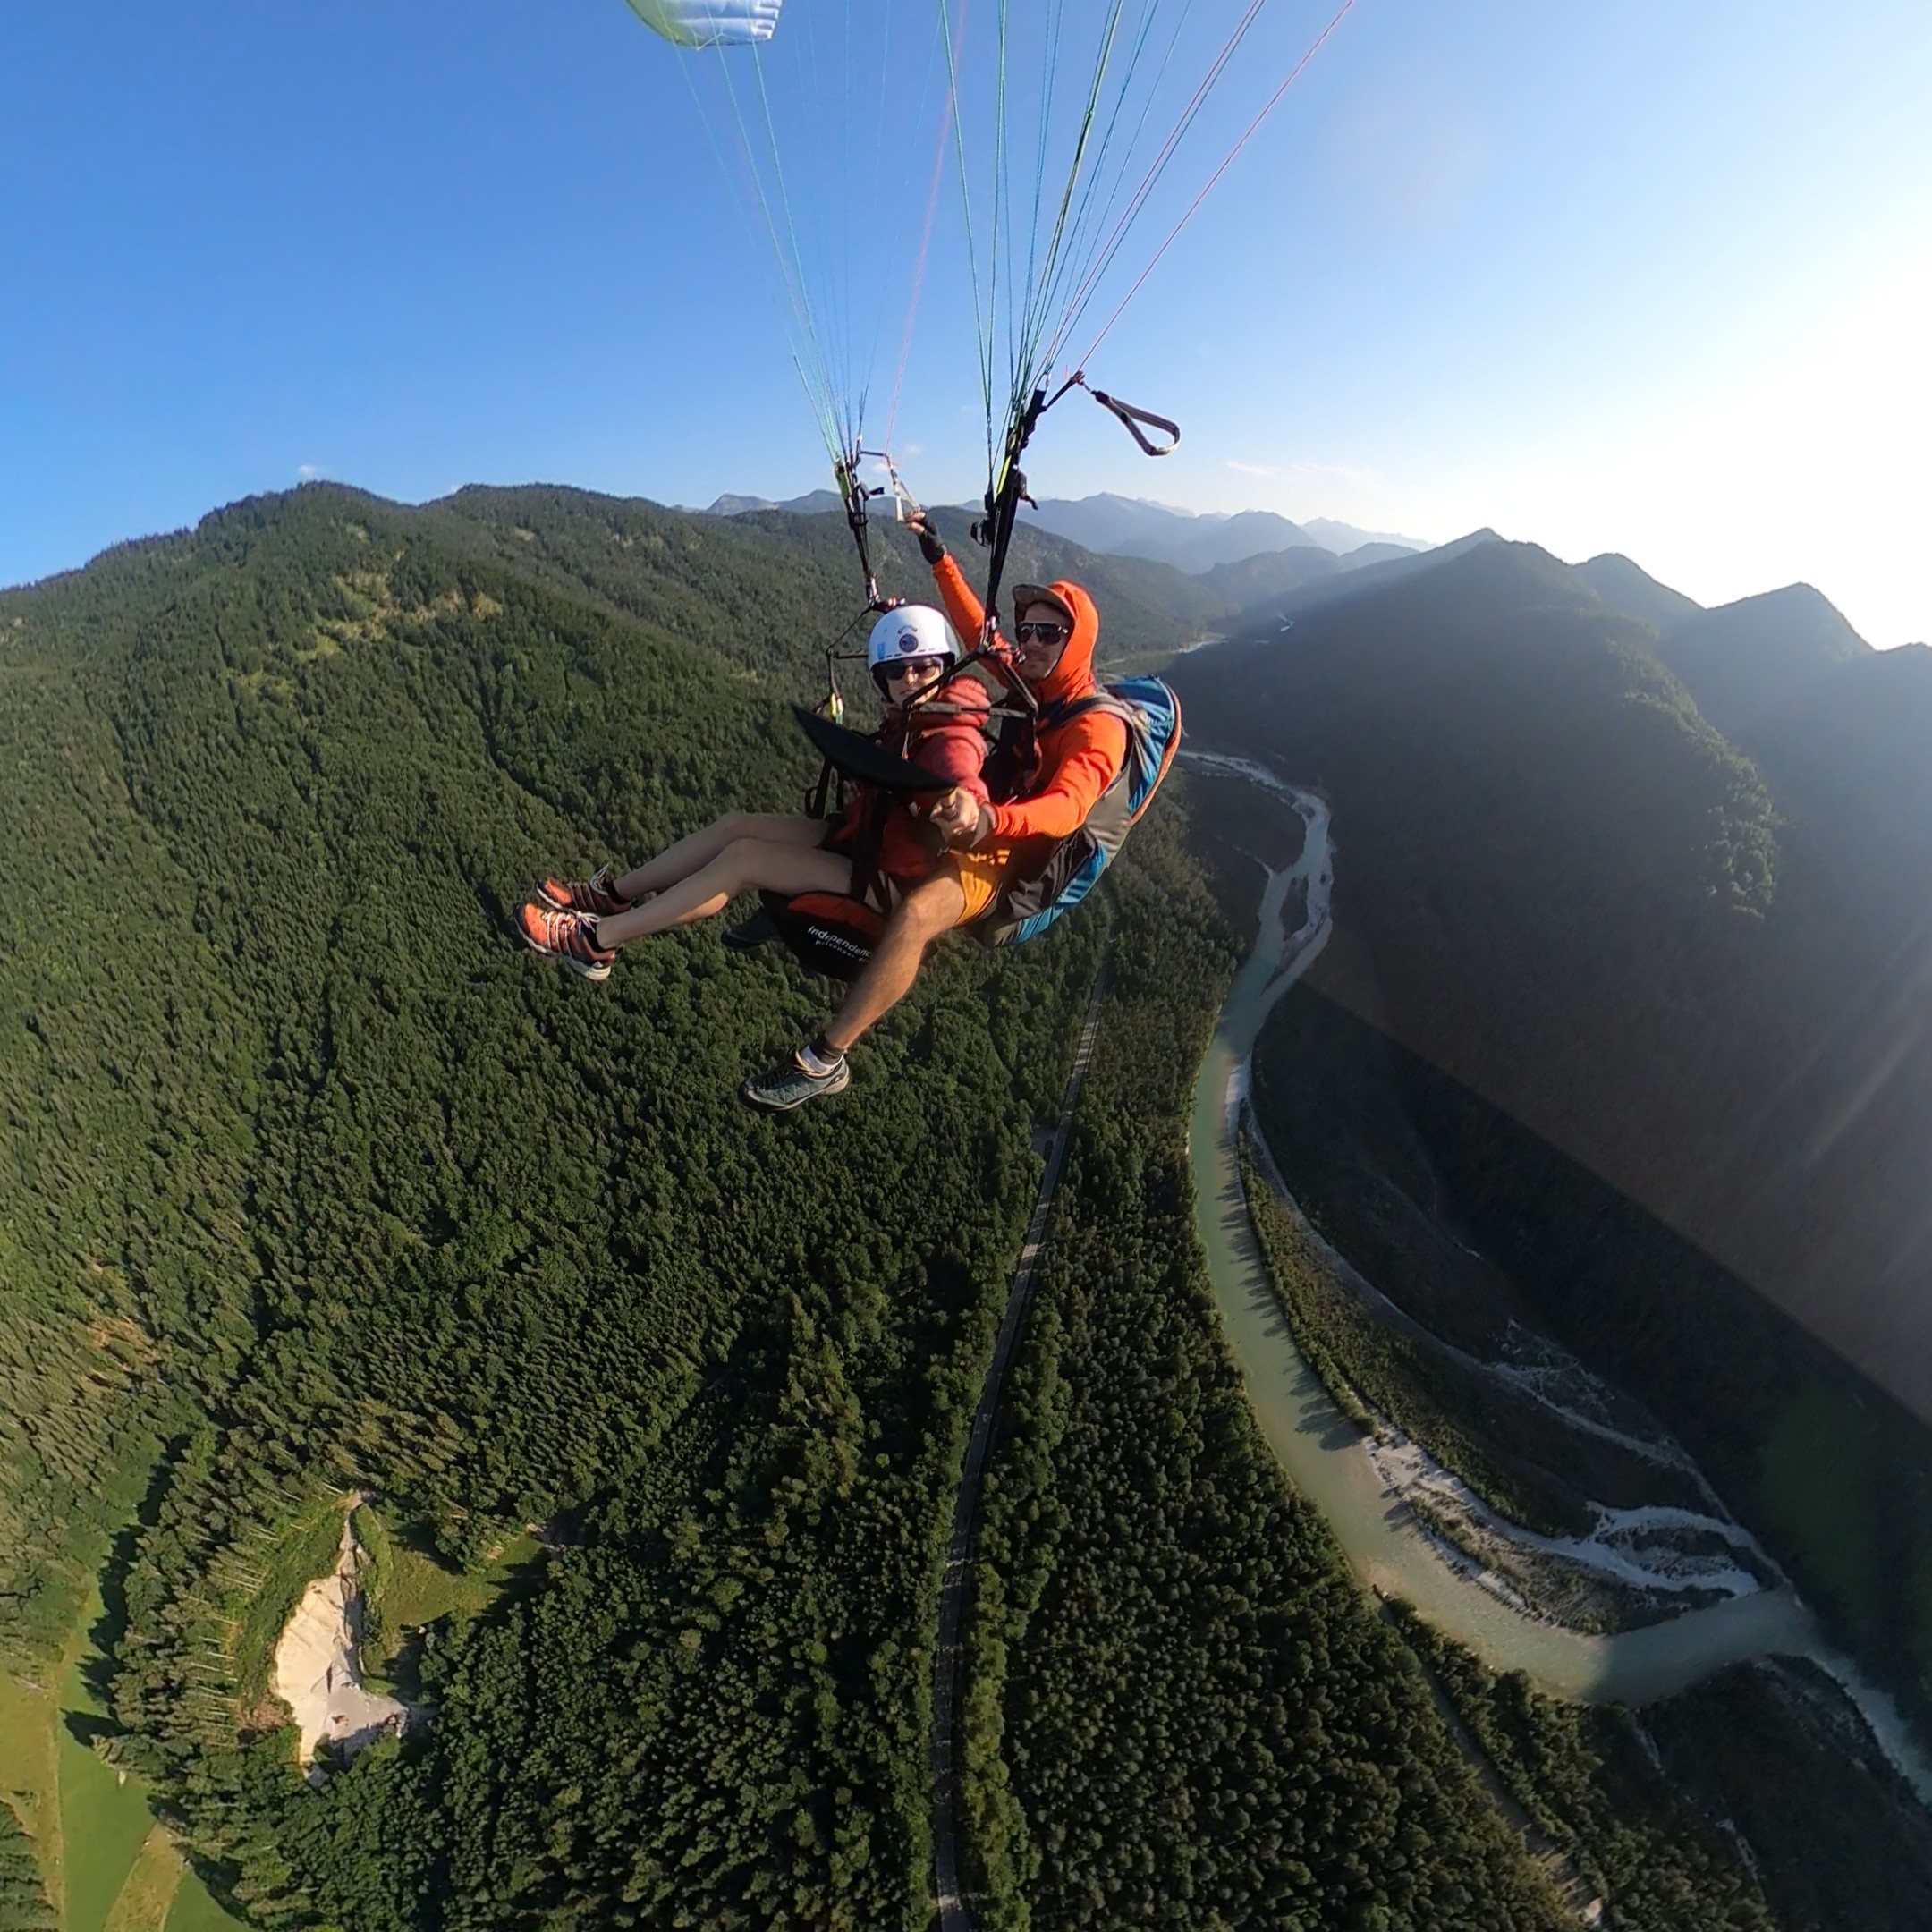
(317, 1185)
(349, 1193)
(1143, 603)
(1182, 1711)
(1252, 581)
(1147, 605)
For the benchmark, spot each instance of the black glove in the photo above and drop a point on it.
(930, 547)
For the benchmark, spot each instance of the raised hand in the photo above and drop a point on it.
(931, 546)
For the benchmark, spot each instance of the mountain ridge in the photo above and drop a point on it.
(1627, 586)
(1111, 524)
(1757, 656)
(319, 1189)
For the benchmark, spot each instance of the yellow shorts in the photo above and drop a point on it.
(980, 874)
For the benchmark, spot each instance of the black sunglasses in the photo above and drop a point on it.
(1040, 633)
(890, 674)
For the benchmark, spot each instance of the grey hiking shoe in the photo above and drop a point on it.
(792, 1085)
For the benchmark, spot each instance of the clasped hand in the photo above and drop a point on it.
(960, 818)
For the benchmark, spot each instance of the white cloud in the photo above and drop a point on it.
(1353, 476)
(1249, 469)
(308, 472)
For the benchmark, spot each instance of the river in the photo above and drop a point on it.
(1325, 1455)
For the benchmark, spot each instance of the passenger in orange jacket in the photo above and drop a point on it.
(1056, 628)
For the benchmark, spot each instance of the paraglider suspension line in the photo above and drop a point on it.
(833, 706)
(1213, 181)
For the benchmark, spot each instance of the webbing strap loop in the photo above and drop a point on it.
(819, 796)
(1130, 418)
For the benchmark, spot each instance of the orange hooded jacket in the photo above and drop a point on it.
(1080, 759)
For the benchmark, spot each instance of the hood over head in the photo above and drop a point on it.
(1073, 675)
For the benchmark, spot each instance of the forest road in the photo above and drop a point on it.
(955, 1589)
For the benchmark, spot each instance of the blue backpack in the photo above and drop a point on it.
(1027, 906)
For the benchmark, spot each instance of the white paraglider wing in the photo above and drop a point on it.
(710, 22)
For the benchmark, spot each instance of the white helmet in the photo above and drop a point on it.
(910, 630)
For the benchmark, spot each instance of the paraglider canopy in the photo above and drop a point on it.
(696, 23)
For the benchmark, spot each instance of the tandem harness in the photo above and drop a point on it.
(834, 933)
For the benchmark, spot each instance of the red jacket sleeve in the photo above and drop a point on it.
(1085, 762)
(956, 752)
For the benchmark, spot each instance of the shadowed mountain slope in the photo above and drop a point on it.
(1744, 661)
(1851, 759)
(1681, 989)
(1251, 581)
(1627, 587)
(1565, 888)
(1843, 1145)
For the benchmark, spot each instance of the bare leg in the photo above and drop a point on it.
(744, 865)
(932, 908)
(698, 849)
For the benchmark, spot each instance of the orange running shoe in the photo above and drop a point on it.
(568, 936)
(593, 895)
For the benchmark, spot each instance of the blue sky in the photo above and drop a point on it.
(1647, 276)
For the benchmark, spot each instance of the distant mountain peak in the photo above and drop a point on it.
(1131, 526)
(1746, 661)
(1115, 499)
(1343, 537)
(1628, 587)
(814, 502)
